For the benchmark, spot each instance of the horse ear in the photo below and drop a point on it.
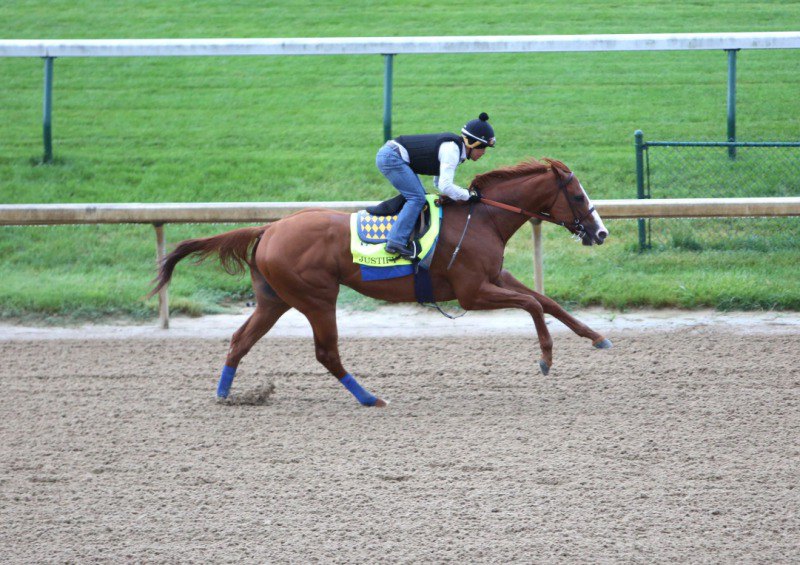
(560, 168)
(555, 166)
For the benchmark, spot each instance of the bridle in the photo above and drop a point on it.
(577, 220)
(575, 227)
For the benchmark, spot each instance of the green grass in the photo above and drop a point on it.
(307, 128)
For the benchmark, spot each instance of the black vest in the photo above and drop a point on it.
(423, 150)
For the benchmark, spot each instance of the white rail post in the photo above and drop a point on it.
(538, 258)
(163, 294)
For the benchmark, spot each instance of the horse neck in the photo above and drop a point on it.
(523, 192)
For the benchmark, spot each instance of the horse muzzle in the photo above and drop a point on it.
(593, 236)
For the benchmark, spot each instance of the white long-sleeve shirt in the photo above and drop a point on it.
(450, 157)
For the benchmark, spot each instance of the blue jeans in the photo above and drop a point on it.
(408, 184)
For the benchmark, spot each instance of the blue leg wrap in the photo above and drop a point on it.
(358, 391)
(225, 381)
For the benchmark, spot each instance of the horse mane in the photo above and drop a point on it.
(529, 167)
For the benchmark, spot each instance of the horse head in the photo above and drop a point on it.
(572, 207)
(547, 191)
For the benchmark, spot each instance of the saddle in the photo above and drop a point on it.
(369, 229)
(375, 223)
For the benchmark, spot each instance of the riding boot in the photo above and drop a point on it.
(405, 251)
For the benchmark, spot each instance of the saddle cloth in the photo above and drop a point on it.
(368, 234)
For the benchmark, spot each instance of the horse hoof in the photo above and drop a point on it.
(545, 368)
(381, 403)
(604, 343)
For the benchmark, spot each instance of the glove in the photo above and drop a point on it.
(474, 195)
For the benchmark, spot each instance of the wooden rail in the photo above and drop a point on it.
(254, 212)
(260, 212)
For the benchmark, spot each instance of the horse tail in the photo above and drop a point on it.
(233, 249)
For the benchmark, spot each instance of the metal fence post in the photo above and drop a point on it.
(732, 101)
(639, 143)
(387, 96)
(47, 119)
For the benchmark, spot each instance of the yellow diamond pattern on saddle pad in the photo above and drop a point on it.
(376, 228)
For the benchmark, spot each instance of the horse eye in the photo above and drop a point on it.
(578, 198)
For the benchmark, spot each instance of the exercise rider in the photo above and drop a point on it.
(437, 154)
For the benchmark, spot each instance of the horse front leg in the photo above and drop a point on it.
(553, 308)
(493, 297)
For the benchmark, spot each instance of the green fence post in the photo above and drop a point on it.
(47, 120)
(732, 101)
(639, 143)
(387, 97)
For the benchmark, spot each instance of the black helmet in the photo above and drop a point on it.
(478, 132)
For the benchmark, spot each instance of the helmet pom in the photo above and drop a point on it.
(484, 117)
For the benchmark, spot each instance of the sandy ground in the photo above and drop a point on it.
(681, 444)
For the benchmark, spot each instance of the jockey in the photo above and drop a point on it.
(403, 158)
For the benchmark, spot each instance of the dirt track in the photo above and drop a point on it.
(679, 445)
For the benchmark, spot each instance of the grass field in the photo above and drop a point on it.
(307, 128)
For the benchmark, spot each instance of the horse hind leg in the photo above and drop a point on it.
(326, 348)
(269, 308)
(311, 287)
(318, 305)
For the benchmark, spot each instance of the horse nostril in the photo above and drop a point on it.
(602, 234)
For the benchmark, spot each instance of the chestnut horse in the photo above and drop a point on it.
(300, 262)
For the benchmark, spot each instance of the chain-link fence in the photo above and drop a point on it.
(674, 169)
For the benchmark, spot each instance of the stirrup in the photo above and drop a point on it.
(405, 251)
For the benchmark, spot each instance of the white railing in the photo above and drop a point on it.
(395, 45)
(50, 49)
(262, 212)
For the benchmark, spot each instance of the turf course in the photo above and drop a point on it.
(307, 128)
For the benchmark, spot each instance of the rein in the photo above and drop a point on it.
(516, 209)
